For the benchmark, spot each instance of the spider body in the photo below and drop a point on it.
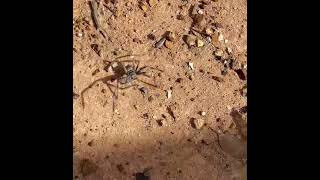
(125, 75)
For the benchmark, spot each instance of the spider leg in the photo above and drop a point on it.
(137, 67)
(104, 79)
(144, 74)
(129, 55)
(147, 83)
(123, 88)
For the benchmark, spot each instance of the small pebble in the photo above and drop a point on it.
(152, 2)
(200, 43)
(198, 123)
(190, 65)
(190, 41)
(169, 93)
(168, 44)
(220, 37)
(209, 31)
(229, 50)
(172, 36)
(144, 91)
(218, 53)
(200, 11)
(160, 43)
(226, 41)
(143, 7)
(79, 34)
(203, 113)
(208, 39)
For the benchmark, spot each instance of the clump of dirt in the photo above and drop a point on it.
(183, 114)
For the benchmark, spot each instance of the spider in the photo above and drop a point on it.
(125, 75)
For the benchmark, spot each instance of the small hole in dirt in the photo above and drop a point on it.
(179, 80)
(179, 171)
(127, 163)
(189, 140)
(191, 99)
(120, 167)
(90, 129)
(168, 173)
(90, 143)
(85, 134)
(218, 120)
(172, 132)
(116, 145)
(164, 116)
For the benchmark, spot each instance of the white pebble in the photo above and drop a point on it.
(203, 113)
(79, 34)
(229, 50)
(220, 37)
(200, 11)
(190, 65)
(169, 93)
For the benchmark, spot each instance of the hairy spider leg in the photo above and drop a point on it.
(104, 80)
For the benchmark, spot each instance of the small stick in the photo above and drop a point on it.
(94, 8)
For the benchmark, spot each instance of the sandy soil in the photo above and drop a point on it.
(143, 139)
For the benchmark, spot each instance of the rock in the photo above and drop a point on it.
(160, 43)
(144, 91)
(152, 2)
(215, 38)
(209, 31)
(200, 43)
(200, 11)
(172, 36)
(202, 113)
(220, 37)
(198, 123)
(218, 53)
(168, 44)
(190, 40)
(144, 7)
(229, 50)
(79, 34)
(169, 93)
(190, 65)
(199, 21)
